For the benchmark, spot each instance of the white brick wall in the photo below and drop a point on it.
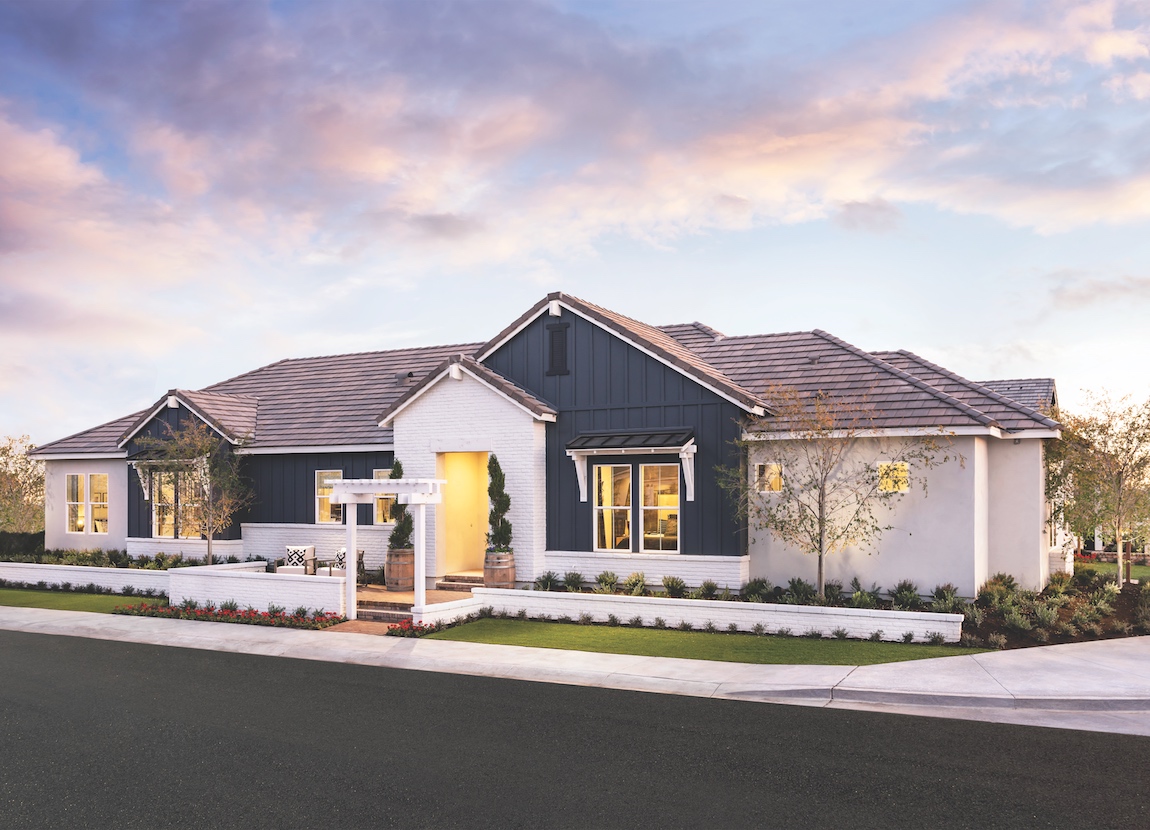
(258, 590)
(724, 571)
(268, 541)
(114, 578)
(189, 548)
(466, 416)
(859, 623)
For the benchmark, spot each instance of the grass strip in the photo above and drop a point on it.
(694, 645)
(64, 600)
(1139, 572)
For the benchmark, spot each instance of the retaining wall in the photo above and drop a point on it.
(221, 583)
(115, 578)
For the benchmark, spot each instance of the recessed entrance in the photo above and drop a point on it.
(461, 524)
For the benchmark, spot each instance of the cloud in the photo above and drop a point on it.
(1074, 290)
(876, 216)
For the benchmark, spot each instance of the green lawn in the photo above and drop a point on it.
(66, 600)
(696, 645)
(1139, 572)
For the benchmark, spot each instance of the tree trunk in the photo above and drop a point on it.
(822, 546)
(210, 526)
(1118, 551)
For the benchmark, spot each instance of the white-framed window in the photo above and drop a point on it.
(894, 477)
(77, 503)
(769, 478)
(612, 507)
(384, 505)
(175, 506)
(326, 511)
(86, 497)
(659, 484)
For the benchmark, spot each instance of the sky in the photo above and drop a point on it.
(190, 190)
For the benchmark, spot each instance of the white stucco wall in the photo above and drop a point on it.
(56, 536)
(936, 537)
(1018, 532)
(270, 541)
(725, 571)
(187, 548)
(467, 416)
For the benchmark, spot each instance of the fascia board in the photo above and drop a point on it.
(539, 416)
(75, 456)
(163, 405)
(754, 410)
(419, 394)
(317, 448)
(934, 432)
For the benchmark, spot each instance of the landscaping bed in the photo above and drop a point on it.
(229, 612)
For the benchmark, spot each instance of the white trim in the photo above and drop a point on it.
(546, 309)
(167, 404)
(315, 449)
(75, 456)
(686, 455)
(917, 432)
(449, 372)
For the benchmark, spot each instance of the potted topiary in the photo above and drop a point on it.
(399, 565)
(499, 563)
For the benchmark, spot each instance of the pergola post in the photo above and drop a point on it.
(419, 537)
(350, 563)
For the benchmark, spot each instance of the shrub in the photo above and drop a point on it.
(970, 640)
(733, 628)
(1045, 615)
(660, 622)
(756, 590)
(1014, 619)
(861, 597)
(839, 633)
(573, 582)
(407, 628)
(833, 593)
(935, 638)
(783, 632)
(708, 590)
(1122, 627)
(586, 619)
(1093, 629)
(229, 605)
(563, 618)
(547, 581)
(521, 614)
(674, 586)
(726, 595)
(709, 627)
(908, 636)
(973, 616)
(1059, 584)
(1041, 635)
(685, 626)
(800, 592)
(1085, 578)
(192, 605)
(605, 583)
(813, 634)
(612, 619)
(905, 596)
(300, 612)
(485, 612)
(635, 584)
(636, 622)
(875, 636)
(759, 628)
(996, 640)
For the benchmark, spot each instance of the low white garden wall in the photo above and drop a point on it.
(115, 578)
(221, 583)
(859, 623)
(724, 571)
(188, 548)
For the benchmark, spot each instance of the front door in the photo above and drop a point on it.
(462, 529)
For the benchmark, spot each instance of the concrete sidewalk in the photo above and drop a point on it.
(1101, 686)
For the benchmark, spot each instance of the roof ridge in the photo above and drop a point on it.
(982, 390)
(213, 392)
(966, 409)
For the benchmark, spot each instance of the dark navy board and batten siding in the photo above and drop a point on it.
(283, 485)
(612, 385)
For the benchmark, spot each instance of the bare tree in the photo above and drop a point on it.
(1100, 473)
(820, 473)
(205, 466)
(21, 487)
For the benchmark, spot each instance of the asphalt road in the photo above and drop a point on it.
(102, 734)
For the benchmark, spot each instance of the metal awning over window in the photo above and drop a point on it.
(679, 441)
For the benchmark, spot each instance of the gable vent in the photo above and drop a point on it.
(557, 349)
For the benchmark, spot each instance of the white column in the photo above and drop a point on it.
(349, 561)
(420, 540)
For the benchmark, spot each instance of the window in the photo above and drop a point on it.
(894, 478)
(175, 507)
(612, 507)
(76, 504)
(557, 349)
(769, 478)
(325, 511)
(660, 507)
(384, 505)
(87, 501)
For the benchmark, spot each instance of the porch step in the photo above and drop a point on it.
(381, 615)
(451, 584)
(382, 605)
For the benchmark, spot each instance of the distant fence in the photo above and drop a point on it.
(21, 544)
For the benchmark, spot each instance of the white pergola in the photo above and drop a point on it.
(416, 493)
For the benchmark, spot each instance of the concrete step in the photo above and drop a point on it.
(382, 615)
(383, 605)
(451, 585)
(468, 578)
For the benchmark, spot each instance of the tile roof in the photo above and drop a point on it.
(1039, 394)
(692, 334)
(1007, 411)
(102, 439)
(233, 416)
(528, 401)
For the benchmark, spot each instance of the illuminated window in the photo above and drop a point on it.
(384, 505)
(769, 478)
(175, 507)
(660, 507)
(76, 504)
(98, 499)
(613, 507)
(894, 478)
(327, 512)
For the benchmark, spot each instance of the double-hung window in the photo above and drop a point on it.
(327, 511)
(384, 505)
(654, 509)
(87, 502)
(175, 507)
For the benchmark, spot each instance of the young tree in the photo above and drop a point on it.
(207, 468)
(21, 487)
(822, 480)
(499, 538)
(1100, 473)
(400, 538)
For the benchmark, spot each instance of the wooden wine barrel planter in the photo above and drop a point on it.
(499, 569)
(399, 570)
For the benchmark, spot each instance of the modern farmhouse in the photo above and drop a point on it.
(610, 432)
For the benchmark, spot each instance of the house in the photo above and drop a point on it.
(609, 431)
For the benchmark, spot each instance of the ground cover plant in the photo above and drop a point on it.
(60, 600)
(227, 612)
(80, 588)
(696, 645)
(105, 559)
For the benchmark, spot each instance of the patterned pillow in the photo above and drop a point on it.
(295, 556)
